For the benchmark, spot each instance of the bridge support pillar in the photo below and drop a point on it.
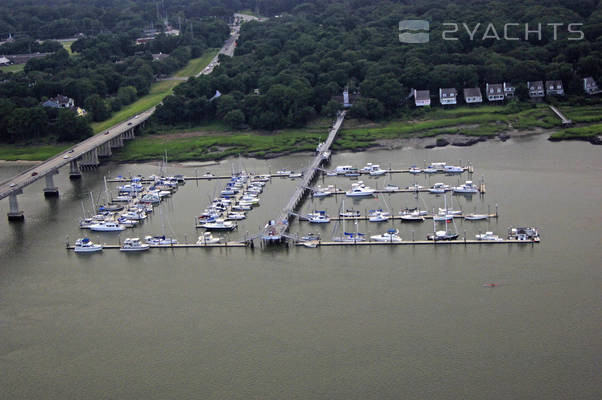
(90, 159)
(116, 142)
(104, 150)
(74, 172)
(14, 214)
(50, 190)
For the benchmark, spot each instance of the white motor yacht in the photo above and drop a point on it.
(467, 187)
(414, 170)
(411, 216)
(85, 245)
(439, 188)
(318, 217)
(134, 244)
(392, 235)
(358, 189)
(219, 225)
(160, 240)
(107, 226)
(452, 169)
(208, 238)
(323, 192)
(378, 216)
(236, 216)
(488, 236)
(476, 217)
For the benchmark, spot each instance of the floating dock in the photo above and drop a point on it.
(398, 217)
(421, 242)
(175, 246)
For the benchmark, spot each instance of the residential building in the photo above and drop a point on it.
(494, 91)
(509, 90)
(473, 95)
(422, 98)
(59, 101)
(536, 89)
(5, 61)
(554, 88)
(448, 96)
(590, 86)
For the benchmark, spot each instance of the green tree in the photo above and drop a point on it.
(234, 118)
(97, 107)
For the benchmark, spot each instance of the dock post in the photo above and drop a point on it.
(74, 171)
(464, 237)
(186, 239)
(413, 232)
(14, 214)
(67, 242)
(50, 190)
(496, 214)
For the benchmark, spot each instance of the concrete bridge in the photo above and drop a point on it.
(84, 155)
(87, 154)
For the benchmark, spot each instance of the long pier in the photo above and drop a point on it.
(277, 230)
(563, 118)
(421, 242)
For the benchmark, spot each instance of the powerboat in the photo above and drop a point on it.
(415, 187)
(85, 245)
(392, 235)
(208, 238)
(349, 214)
(429, 170)
(442, 235)
(467, 187)
(452, 169)
(295, 175)
(439, 188)
(236, 216)
(160, 240)
(412, 215)
(107, 226)
(318, 217)
(414, 170)
(358, 189)
(323, 192)
(476, 217)
(373, 169)
(134, 244)
(310, 236)
(530, 234)
(219, 225)
(378, 216)
(284, 172)
(488, 236)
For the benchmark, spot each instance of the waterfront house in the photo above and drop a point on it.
(422, 98)
(473, 95)
(494, 92)
(448, 96)
(590, 86)
(554, 88)
(5, 61)
(509, 90)
(535, 89)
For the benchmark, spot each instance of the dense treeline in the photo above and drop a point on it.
(105, 73)
(287, 69)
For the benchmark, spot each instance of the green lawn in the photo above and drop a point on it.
(196, 65)
(157, 93)
(12, 68)
(67, 45)
(10, 152)
(579, 132)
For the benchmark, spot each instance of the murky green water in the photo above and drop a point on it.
(331, 323)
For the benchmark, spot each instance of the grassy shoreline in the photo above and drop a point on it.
(214, 141)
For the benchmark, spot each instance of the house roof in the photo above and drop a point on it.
(472, 92)
(589, 80)
(422, 94)
(4, 60)
(555, 83)
(535, 84)
(446, 92)
(493, 87)
(159, 56)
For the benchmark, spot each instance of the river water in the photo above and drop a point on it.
(411, 322)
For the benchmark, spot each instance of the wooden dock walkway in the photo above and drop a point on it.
(176, 246)
(397, 218)
(281, 225)
(565, 120)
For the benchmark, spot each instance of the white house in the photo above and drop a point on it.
(590, 86)
(422, 98)
(473, 95)
(5, 61)
(554, 88)
(495, 92)
(509, 90)
(535, 89)
(448, 96)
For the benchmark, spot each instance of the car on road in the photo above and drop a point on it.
(66, 156)
(12, 185)
(129, 123)
(107, 132)
(71, 151)
(34, 173)
(137, 116)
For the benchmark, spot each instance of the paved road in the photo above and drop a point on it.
(39, 171)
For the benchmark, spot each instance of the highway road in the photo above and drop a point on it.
(18, 182)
